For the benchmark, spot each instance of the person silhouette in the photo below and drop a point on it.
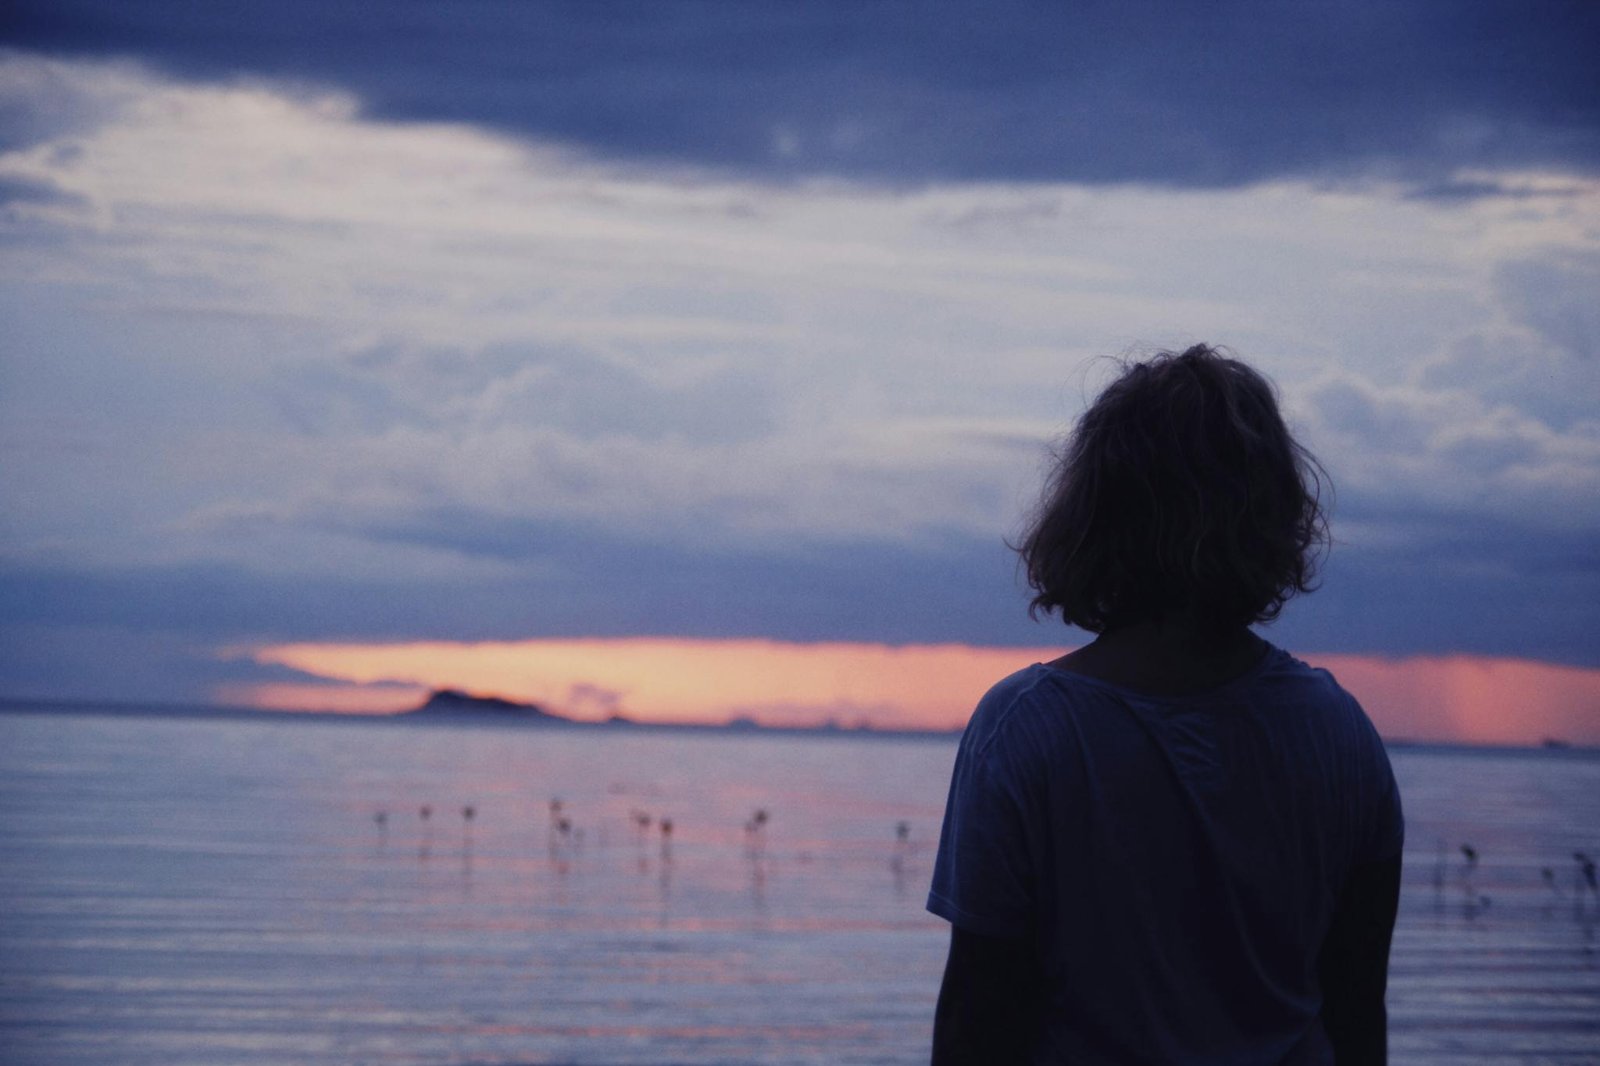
(1176, 843)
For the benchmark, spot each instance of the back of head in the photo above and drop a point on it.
(1180, 495)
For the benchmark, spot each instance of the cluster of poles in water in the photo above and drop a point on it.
(565, 839)
(425, 816)
(1585, 881)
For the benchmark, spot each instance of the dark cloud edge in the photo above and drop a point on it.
(1421, 92)
(1420, 600)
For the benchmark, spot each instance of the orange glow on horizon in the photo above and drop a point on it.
(650, 679)
(1472, 699)
(338, 698)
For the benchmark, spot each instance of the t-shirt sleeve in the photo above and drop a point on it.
(1385, 827)
(981, 879)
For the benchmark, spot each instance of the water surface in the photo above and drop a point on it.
(219, 891)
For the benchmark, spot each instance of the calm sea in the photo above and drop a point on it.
(224, 891)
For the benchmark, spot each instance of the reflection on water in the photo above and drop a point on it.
(193, 891)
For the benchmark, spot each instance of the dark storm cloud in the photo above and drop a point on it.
(1172, 93)
(1454, 583)
(575, 581)
(1466, 586)
(133, 664)
(1458, 582)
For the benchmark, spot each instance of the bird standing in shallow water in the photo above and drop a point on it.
(424, 849)
(1474, 901)
(1586, 874)
(755, 833)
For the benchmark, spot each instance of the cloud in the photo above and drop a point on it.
(103, 658)
(1235, 93)
(1553, 297)
(1465, 187)
(1454, 453)
(22, 193)
(279, 368)
(583, 582)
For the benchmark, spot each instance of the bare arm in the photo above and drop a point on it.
(989, 1004)
(1354, 965)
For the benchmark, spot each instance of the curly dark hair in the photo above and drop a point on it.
(1180, 493)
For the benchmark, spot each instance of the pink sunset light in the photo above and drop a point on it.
(1453, 698)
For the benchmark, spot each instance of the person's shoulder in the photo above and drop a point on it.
(1025, 709)
(1012, 697)
(1284, 672)
(1290, 681)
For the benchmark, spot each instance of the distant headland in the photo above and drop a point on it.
(455, 703)
(448, 706)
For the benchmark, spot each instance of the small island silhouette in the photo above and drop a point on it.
(449, 706)
(458, 706)
(454, 703)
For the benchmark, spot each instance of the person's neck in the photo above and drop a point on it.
(1164, 657)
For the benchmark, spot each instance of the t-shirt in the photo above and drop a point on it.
(1176, 860)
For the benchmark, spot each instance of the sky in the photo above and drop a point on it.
(519, 347)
